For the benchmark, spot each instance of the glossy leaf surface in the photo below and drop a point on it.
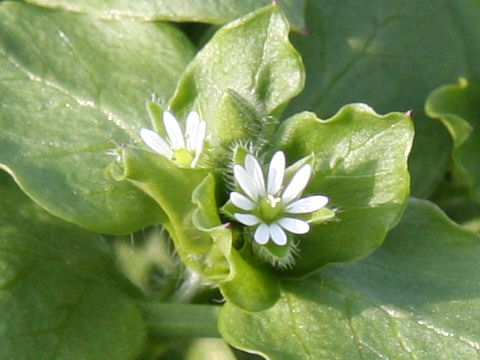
(73, 88)
(410, 299)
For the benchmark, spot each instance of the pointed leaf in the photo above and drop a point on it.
(271, 76)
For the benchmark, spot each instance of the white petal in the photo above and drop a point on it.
(278, 235)
(200, 138)
(298, 183)
(156, 143)
(255, 171)
(247, 219)
(174, 131)
(262, 234)
(191, 129)
(242, 201)
(245, 182)
(307, 205)
(295, 226)
(276, 172)
(198, 146)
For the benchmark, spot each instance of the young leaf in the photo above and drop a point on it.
(410, 299)
(74, 87)
(249, 61)
(457, 106)
(209, 11)
(61, 296)
(186, 197)
(361, 165)
(386, 56)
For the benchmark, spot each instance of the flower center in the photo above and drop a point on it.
(270, 208)
(182, 157)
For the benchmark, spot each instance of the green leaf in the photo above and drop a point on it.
(409, 300)
(60, 294)
(186, 198)
(73, 89)
(390, 56)
(248, 67)
(210, 11)
(361, 165)
(253, 285)
(458, 107)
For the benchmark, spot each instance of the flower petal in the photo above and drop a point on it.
(262, 234)
(276, 172)
(241, 201)
(307, 205)
(173, 130)
(191, 129)
(198, 146)
(156, 143)
(278, 235)
(255, 171)
(298, 183)
(246, 182)
(200, 138)
(247, 219)
(295, 226)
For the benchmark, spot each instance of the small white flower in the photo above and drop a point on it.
(184, 149)
(269, 203)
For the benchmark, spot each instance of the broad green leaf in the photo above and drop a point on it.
(361, 165)
(411, 299)
(458, 107)
(60, 294)
(210, 11)
(184, 196)
(74, 87)
(390, 55)
(248, 67)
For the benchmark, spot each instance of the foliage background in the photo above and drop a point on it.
(73, 83)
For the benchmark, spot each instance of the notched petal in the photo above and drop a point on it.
(298, 183)
(156, 143)
(262, 234)
(293, 225)
(247, 219)
(173, 130)
(241, 201)
(307, 205)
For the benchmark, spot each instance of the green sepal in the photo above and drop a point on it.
(155, 112)
(319, 216)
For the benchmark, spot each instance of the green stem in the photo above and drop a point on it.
(173, 319)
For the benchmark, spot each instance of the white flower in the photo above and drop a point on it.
(269, 203)
(184, 149)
